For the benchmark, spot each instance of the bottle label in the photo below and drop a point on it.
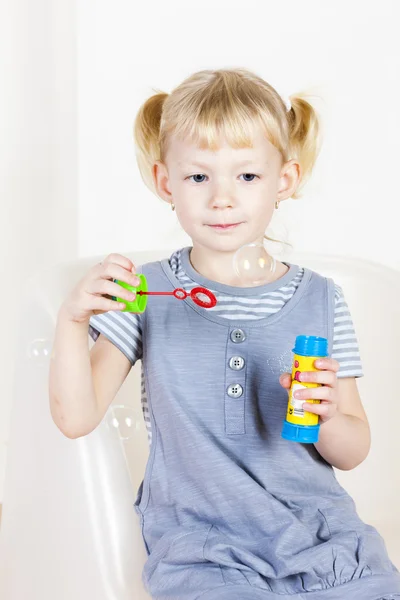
(295, 412)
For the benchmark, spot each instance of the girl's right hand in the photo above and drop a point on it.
(92, 295)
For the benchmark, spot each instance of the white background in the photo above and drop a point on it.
(73, 78)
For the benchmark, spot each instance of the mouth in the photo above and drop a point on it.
(222, 226)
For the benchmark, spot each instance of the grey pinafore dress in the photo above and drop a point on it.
(228, 508)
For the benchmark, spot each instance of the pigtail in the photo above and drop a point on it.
(304, 137)
(146, 133)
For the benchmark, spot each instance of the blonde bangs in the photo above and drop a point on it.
(210, 125)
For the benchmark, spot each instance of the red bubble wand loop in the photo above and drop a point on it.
(181, 294)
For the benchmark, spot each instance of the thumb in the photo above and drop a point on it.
(285, 380)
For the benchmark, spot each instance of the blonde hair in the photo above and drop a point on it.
(228, 102)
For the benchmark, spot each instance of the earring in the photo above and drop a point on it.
(277, 204)
(172, 206)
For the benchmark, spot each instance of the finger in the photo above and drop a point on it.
(119, 259)
(285, 380)
(324, 377)
(101, 305)
(327, 363)
(322, 409)
(114, 271)
(104, 287)
(323, 392)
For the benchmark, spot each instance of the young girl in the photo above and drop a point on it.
(228, 508)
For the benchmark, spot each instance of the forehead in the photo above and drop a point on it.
(183, 152)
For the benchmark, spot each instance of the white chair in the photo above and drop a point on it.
(69, 530)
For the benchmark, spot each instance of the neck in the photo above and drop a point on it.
(218, 266)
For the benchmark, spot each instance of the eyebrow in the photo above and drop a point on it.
(203, 166)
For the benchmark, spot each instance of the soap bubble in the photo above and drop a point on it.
(123, 422)
(253, 265)
(40, 350)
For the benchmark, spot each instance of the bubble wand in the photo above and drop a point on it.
(200, 295)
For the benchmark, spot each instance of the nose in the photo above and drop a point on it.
(222, 195)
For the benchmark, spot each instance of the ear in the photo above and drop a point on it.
(161, 180)
(289, 179)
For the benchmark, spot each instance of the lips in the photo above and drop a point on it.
(224, 226)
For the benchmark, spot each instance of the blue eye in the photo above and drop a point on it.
(201, 175)
(251, 175)
(196, 175)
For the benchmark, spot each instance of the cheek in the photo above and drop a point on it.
(263, 207)
(191, 204)
(189, 215)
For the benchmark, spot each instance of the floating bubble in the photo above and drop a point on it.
(253, 265)
(40, 351)
(123, 422)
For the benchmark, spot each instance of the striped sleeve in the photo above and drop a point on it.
(345, 344)
(122, 329)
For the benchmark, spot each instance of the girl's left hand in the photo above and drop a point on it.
(327, 393)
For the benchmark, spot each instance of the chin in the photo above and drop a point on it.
(224, 245)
